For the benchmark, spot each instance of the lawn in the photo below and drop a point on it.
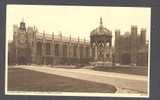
(27, 80)
(125, 70)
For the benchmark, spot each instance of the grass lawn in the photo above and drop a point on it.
(27, 80)
(125, 70)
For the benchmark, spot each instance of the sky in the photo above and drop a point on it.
(77, 20)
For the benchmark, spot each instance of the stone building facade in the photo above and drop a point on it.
(131, 48)
(30, 46)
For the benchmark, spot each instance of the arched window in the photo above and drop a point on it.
(48, 48)
(39, 48)
(56, 49)
(75, 51)
(64, 50)
(81, 52)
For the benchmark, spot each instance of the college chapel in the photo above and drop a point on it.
(32, 47)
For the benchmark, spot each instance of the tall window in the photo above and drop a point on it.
(56, 49)
(74, 51)
(64, 50)
(48, 48)
(81, 52)
(39, 48)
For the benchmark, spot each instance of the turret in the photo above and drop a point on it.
(134, 30)
(22, 25)
(101, 22)
(143, 36)
(117, 33)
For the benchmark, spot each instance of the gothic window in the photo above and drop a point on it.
(75, 51)
(39, 48)
(48, 48)
(56, 49)
(65, 50)
(81, 52)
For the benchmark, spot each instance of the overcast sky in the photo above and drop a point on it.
(77, 20)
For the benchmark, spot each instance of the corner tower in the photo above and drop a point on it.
(22, 52)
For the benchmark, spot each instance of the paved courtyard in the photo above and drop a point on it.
(123, 82)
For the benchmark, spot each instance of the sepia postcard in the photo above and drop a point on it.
(97, 51)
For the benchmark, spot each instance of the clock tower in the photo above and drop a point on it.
(21, 43)
(22, 35)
